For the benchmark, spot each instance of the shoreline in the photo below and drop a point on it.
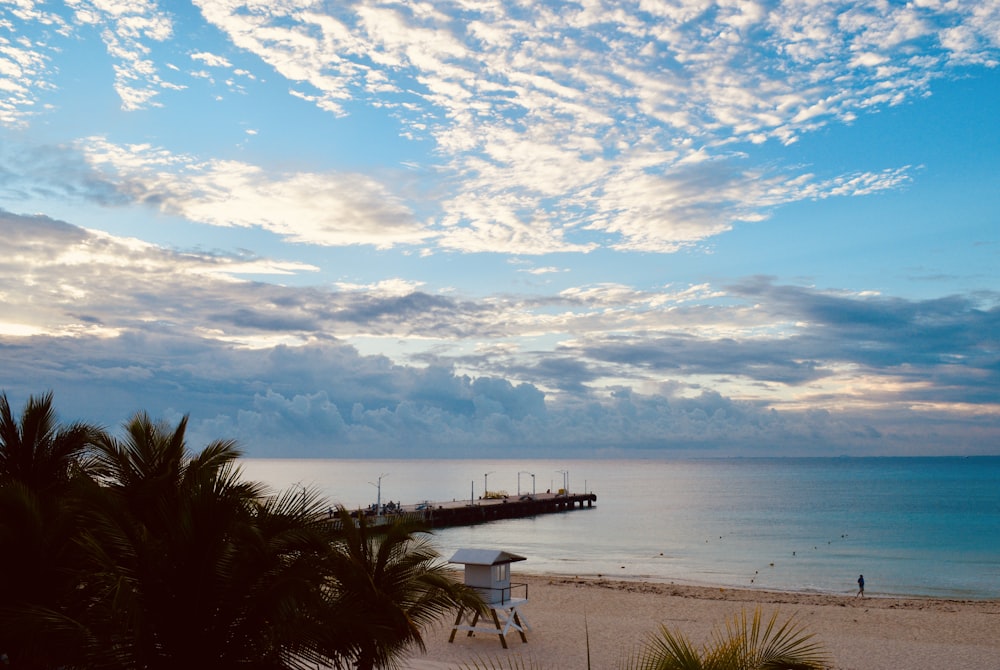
(566, 613)
(695, 584)
(751, 594)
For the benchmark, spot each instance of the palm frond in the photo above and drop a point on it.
(666, 650)
(748, 643)
(36, 450)
(769, 646)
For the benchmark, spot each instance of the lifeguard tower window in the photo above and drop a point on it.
(501, 572)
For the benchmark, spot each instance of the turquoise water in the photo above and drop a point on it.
(912, 526)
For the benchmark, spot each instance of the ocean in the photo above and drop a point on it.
(912, 526)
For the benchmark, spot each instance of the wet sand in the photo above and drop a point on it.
(870, 633)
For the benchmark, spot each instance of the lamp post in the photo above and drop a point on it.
(378, 498)
(525, 472)
(565, 486)
(486, 488)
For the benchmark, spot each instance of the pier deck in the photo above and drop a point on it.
(468, 513)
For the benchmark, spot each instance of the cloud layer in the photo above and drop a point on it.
(554, 130)
(179, 333)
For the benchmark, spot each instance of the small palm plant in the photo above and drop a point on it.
(748, 644)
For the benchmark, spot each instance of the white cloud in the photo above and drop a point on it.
(129, 28)
(324, 209)
(25, 59)
(543, 271)
(532, 107)
(210, 59)
(384, 288)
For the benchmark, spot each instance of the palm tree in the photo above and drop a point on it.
(195, 567)
(41, 467)
(134, 553)
(282, 571)
(387, 585)
(36, 451)
(748, 644)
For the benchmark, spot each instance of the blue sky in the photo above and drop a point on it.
(383, 229)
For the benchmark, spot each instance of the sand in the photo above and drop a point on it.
(870, 633)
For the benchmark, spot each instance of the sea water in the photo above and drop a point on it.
(912, 526)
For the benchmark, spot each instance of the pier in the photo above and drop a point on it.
(468, 513)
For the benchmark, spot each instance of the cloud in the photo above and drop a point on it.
(553, 131)
(29, 172)
(938, 336)
(543, 270)
(639, 212)
(556, 131)
(129, 28)
(325, 400)
(211, 60)
(816, 336)
(25, 70)
(748, 368)
(585, 119)
(314, 208)
(122, 279)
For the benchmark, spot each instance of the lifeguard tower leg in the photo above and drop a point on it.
(458, 620)
(520, 626)
(496, 620)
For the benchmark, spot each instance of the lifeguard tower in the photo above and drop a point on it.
(488, 571)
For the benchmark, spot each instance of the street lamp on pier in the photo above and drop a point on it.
(525, 472)
(565, 486)
(486, 488)
(378, 498)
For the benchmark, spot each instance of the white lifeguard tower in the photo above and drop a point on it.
(488, 571)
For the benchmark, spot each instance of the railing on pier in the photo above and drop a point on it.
(455, 513)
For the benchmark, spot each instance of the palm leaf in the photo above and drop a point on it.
(748, 643)
(769, 646)
(666, 650)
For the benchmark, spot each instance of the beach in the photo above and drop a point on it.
(869, 633)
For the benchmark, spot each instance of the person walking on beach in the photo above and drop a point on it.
(861, 586)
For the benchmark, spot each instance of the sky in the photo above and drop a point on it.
(492, 228)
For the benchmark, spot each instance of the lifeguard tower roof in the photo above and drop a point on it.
(484, 557)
